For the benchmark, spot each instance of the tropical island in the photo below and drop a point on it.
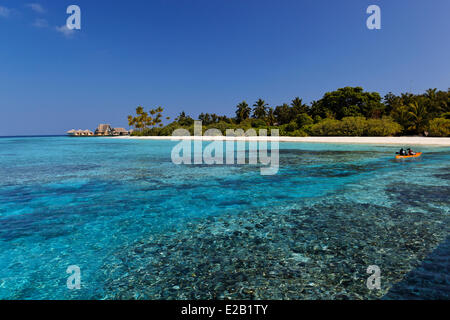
(348, 111)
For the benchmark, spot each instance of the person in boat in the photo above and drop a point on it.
(402, 152)
(410, 152)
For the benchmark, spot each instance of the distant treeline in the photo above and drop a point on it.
(347, 111)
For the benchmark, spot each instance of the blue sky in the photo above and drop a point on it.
(206, 56)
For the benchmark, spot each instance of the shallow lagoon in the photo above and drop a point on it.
(141, 227)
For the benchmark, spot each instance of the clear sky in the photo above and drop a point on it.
(206, 56)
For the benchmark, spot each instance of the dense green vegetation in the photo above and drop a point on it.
(348, 111)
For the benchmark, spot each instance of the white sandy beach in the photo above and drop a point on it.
(405, 141)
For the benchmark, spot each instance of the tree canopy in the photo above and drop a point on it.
(346, 111)
(349, 102)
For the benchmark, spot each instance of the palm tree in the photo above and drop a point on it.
(431, 93)
(143, 120)
(243, 111)
(260, 112)
(298, 107)
(435, 106)
(155, 118)
(282, 114)
(207, 119)
(401, 115)
(419, 116)
(140, 120)
(270, 117)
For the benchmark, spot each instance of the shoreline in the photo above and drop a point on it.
(336, 140)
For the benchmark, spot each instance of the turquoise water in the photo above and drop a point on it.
(139, 226)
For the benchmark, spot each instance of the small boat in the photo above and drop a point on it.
(418, 154)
